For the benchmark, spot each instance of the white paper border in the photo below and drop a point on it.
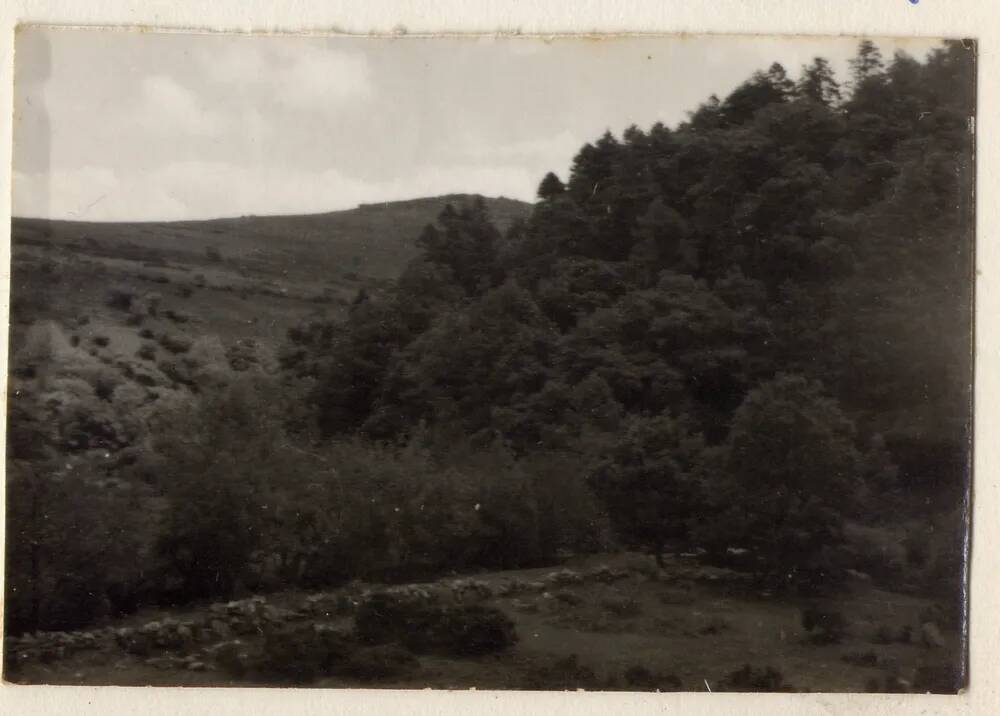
(934, 18)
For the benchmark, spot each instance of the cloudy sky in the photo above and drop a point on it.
(130, 125)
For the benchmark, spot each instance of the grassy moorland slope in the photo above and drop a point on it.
(374, 239)
(246, 277)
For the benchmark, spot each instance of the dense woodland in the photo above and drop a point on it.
(747, 336)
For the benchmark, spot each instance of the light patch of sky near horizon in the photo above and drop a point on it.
(115, 125)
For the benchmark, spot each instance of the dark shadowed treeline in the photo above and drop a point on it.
(746, 334)
(759, 319)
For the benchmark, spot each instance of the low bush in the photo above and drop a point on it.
(423, 626)
(715, 625)
(375, 663)
(639, 677)
(883, 634)
(877, 552)
(569, 598)
(242, 355)
(234, 657)
(176, 316)
(752, 679)
(105, 384)
(175, 344)
(622, 606)
(867, 658)
(824, 627)
(120, 299)
(147, 333)
(676, 596)
(946, 678)
(299, 653)
(147, 351)
(101, 341)
(949, 617)
(562, 675)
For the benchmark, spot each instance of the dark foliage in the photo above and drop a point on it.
(824, 626)
(750, 679)
(299, 653)
(422, 626)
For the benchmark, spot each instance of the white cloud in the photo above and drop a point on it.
(143, 125)
(329, 77)
(301, 74)
(166, 104)
(561, 145)
(88, 194)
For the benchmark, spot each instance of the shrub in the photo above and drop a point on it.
(105, 384)
(147, 333)
(876, 551)
(824, 627)
(562, 674)
(147, 351)
(867, 658)
(101, 341)
(948, 616)
(883, 635)
(177, 372)
(144, 379)
(175, 344)
(622, 606)
(120, 299)
(242, 355)
(299, 653)
(176, 316)
(375, 663)
(749, 678)
(61, 566)
(234, 657)
(715, 625)
(422, 626)
(945, 678)
(569, 598)
(918, 550)
(640, 677)
(185, 292)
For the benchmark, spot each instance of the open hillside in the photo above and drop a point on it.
(236, 278)
(373, 239)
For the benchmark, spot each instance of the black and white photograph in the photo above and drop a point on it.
(615, 364)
